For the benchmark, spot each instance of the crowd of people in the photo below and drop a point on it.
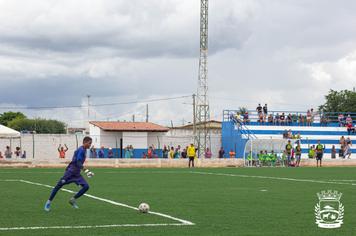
(287, 119)
(8, 154)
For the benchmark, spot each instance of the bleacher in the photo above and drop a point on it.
(236, 132)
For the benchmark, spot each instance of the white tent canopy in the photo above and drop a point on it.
(6, 132)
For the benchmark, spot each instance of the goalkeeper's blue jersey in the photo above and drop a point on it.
(77, 162)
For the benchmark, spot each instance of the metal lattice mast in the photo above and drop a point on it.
(202, 138)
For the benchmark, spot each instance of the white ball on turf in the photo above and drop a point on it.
(143, 207)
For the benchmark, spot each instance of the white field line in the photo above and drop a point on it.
(90, 226)
(271, 177)
(182, 222)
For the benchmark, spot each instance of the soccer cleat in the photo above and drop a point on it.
(47, 206)
(73, 203)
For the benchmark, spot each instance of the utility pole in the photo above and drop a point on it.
(202, 117)
(194, 118)
(133, 118)
(146, 112)
(88, 96)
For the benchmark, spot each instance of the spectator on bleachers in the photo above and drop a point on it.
(285, 134)
(289, 134)
(309, 118)
(246, 118)
(259, 109)
(208, 153)
(282, 119)
(333, 152)
(350, 128)
(289, 119)
(277, 119)
(348, 119)
(341, 120)
(342, 140)
(312, 115)
(265, 112)
(270, 119)
(221, 152)
(301, 120)
(260, 118)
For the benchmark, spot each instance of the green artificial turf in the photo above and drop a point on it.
(237, 204)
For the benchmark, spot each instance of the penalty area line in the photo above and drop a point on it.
(274, 178)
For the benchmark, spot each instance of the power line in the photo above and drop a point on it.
(94, 105)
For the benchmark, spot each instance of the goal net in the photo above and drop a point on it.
(265, 152)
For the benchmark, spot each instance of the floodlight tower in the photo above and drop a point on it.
(202, 116)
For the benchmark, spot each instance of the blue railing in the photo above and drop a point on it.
(290, 118)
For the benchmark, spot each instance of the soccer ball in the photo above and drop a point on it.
(143, 207)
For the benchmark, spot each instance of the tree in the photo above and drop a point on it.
(40, 126)
(7, 117)
(242, 110)
(339, 101)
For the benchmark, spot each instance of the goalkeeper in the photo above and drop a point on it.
(72, 175)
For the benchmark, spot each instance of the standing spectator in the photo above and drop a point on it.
(347, 151)
(8, 152)
(270, 119)
(1, 156)
(93, 153)
(101, 153)
(349, 128)
(165, 152)
(232, 154)
(208, 153)
(177, 153)
(171, 153)
(298, 154)
(184, 153)
(131, 151)
(191, 155)
(150, 152)
(62, 151)
(221, 152)
(110, 153)
(259, 110)
(288, 149)
(127, 152)
(333, 152)
(319, 153)
(265, 112)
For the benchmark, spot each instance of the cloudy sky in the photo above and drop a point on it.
(287, 53)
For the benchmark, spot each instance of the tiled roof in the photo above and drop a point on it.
(129, 126)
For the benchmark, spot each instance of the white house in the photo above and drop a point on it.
(121, 134)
